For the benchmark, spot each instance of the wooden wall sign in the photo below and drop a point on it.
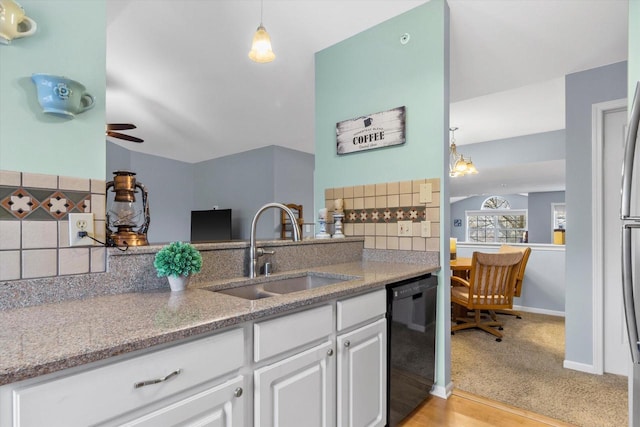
(373, 131)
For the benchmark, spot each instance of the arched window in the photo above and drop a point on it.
(496, 222)
(495, 202)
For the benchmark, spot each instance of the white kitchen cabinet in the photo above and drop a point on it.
(100, 395)
(362, 376)
(297, 391)
(221, 406)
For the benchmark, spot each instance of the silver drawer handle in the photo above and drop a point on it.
(156, 381)
(347, 343)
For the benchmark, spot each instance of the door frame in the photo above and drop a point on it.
(597, 236)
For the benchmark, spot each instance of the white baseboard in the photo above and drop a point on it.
(539, 311)
(442, 392)
(582, 367)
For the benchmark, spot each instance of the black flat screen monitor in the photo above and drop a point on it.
(211, 226)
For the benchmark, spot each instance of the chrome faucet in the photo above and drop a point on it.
(255, 253)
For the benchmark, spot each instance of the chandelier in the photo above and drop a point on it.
(458, 165)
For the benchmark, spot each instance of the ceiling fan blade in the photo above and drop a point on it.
(120, 126)
(123, 136)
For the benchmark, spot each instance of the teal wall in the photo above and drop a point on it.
(372, 72)
(70, 41)
(634, 47)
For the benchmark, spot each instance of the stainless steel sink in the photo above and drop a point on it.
(277, 286)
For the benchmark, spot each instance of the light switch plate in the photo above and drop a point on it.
(405, 229)
(425, 193)
(80, 222)
(425, 228)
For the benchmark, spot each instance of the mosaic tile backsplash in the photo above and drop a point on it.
(372, 211)
(34, 227)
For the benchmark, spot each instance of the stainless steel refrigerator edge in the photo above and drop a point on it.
(631, 269)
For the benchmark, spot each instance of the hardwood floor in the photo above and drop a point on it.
(464, 409)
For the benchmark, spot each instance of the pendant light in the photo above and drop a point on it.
(458, 165)
(261, 51)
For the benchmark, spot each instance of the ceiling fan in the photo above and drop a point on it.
(111, 127)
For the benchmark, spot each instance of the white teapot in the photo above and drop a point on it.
(13, 22)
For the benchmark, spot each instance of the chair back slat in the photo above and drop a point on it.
(526, 251)
(492, 279)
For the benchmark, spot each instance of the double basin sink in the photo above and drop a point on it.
(269, 287)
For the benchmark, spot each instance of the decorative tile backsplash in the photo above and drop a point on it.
(34, 227)
(373, 211)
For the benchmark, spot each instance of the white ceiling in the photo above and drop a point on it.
(180, 71)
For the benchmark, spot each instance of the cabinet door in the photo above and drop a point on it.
(220, 406)
(297, 391)
(362, 376)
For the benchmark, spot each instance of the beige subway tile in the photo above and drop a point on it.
(348, 204)
(381, 229)
(63, 234)
(348, 192)
(73, 261)
(98, 207)
(406, 200)
(393, 188)
(10, 178)
(369, 190)
(369, 202)
(74, 183)
(328, 204)
(369, 229)
(338, 193)
(435, 229)
(415, 200)
(9, 265)
(433, 244)
(381, 202)
(10, 235)
(404, 243)
(358, 191)
(433, 214)
(98, 260)
(381, 189)
(415, 185)
(392, 229)
(392, 242)
(39, 263)
(348, 229)
(393, 201)
(435, 183)
(98, 186)
(405, 187)
(38, 180)
(417, 229)
(358, 203)
(419, 244)
(328, 194)
(99, 230)
(39, 234)
(370, 242)
(358, 229)
(381, 242)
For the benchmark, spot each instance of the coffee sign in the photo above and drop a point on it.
(373, 131)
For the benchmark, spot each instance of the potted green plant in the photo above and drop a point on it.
(177, 261)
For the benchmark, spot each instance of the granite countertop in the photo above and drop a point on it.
(47, 338)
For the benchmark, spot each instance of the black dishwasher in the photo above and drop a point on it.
(411, 317)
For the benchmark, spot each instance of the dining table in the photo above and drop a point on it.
(460, 267)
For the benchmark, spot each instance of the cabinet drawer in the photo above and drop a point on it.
(359, 309)
(102, 393)
(276, 336)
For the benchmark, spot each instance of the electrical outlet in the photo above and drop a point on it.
(425, 228)
(425, 193)
(405, 229)
(80, 222)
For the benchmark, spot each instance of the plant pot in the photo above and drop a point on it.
(178, 283)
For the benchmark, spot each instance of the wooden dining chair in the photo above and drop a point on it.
(526, 251)
(490, 287)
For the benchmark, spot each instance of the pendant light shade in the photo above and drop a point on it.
(458, 165)
(261, 47)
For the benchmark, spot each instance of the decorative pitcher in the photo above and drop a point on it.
(60, 95)
(13, 22)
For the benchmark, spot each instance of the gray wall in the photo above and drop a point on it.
(540, 216)
(170, 187)
(538, 147)
(582, 90)
(459, 208)
(242, 182)
(246, 181)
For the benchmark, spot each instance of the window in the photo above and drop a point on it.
(496, 222)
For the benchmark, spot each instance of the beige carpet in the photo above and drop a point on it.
(525, 370)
